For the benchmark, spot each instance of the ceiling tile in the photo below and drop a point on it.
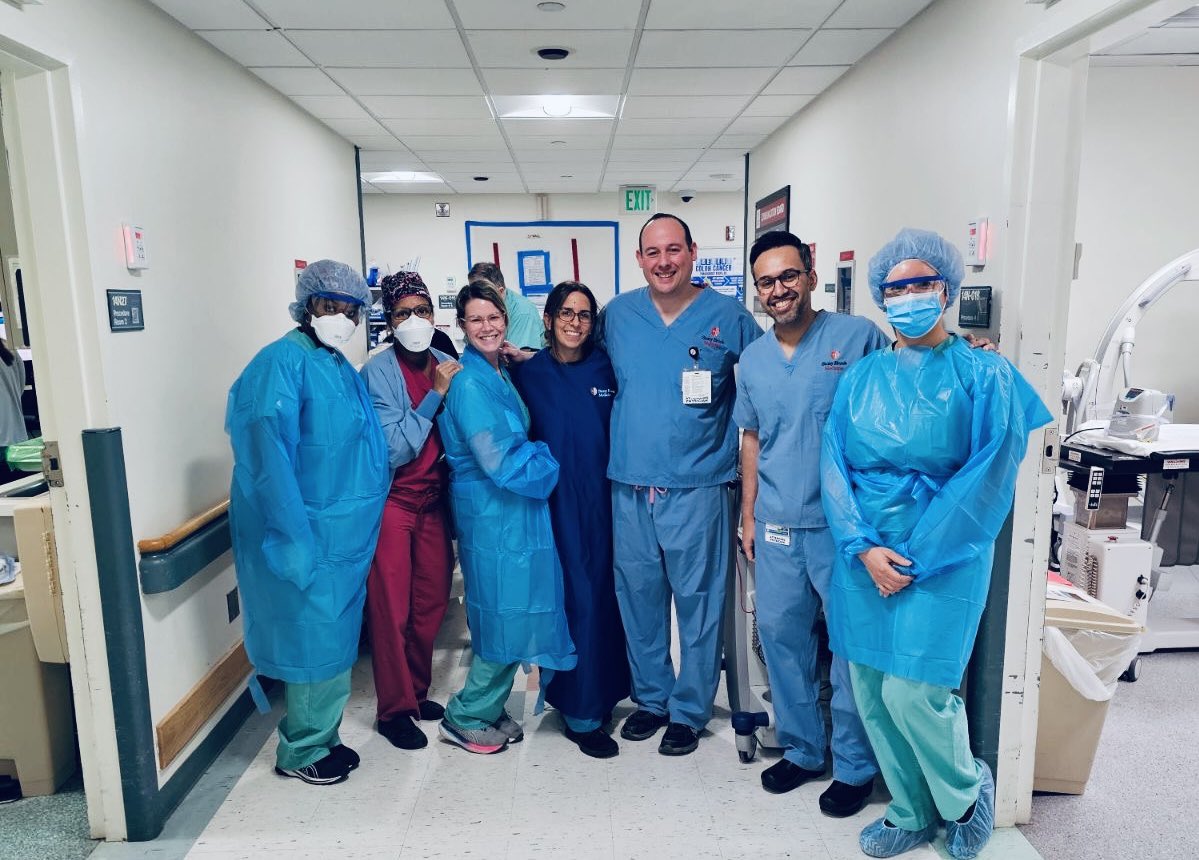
(500, 185)
(543, 154)
(493, 174)
(659, 107)
(374, 48)
(408, 82)
(445, 128)
(213, 14)
(564, 129)
(255, 47)
(875, 13)
(415, 188)
(591, 49)
(777, 105)
(766, 14)
(445, 155)
(740, 142)
(756, 124)
(646, 141)
(718, 48)
(691, 125)
(355, 127)
(427, 107)
(612, 179)
(698, 82)
(422, 143)
(360, 14)
(625, 153)
(578, 15)
(331, 107)
(378, 160)
(553, 81)
(839, 47)
(299, 82)
(372, 141)
(804, 80)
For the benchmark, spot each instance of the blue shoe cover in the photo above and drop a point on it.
(964, 841)
(882, 840)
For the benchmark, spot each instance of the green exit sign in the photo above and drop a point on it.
(637, 198)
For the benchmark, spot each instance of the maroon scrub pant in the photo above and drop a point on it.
(406, 596)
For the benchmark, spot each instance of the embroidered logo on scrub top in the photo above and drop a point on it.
(713, 341)
(834, 364)
(602, 392)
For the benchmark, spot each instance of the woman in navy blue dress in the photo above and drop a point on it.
(568, 388)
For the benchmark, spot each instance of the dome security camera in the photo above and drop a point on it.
(687, 196)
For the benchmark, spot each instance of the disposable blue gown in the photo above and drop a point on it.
(499, 483)
(310, 475)
(570, 406)
(920, 454)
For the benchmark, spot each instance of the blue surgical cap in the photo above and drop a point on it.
(330, 278)
(925, 245)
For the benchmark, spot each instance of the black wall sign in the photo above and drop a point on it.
(125, 310)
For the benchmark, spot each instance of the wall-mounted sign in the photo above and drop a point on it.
(534, 270)
(441, 210)
(637, 198)
(974, 307)
(721, 269)
(446, 303)
(773, 212)
(125, 310)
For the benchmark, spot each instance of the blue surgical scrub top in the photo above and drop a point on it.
(787, 403)
(656, 440)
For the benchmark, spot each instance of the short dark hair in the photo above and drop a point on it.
(479, 289)
(780, 239)
(557, 297)
(486, 272)
(658, 217)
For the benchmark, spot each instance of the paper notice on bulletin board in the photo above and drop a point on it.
(722, 269)
(534, 271)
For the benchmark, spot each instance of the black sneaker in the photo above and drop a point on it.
(430, 710)
(403, 732)
(678, 740)
(642, 725)
(328, 771)
(783, 776)
(594, 743)
(841, 800)
(347, 755)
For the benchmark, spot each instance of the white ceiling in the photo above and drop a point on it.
(415, 83)
(1173, 42)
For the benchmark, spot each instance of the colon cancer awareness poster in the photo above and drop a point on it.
(723, 270)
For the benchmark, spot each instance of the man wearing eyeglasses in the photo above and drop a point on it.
(784, 392)
(673, 346)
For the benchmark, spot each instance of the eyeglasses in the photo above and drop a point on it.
(569, 315)
(425, 312)
(788, 278)
(493, 320)
(329, 307)
(919, 286)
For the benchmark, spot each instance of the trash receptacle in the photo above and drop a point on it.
(1087, 646)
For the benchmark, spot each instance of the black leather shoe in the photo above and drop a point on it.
(678, 740)
(642, 725)
(430, 710)
(594, 743)
(841, 800)
(783, 776)
(346, 755)
(403, 733)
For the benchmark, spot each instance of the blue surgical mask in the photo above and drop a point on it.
(914, 315)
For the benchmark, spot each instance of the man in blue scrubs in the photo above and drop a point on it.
(673, 347)
(784, 392)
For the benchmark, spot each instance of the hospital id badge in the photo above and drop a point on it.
(780, 535)
(697, 387)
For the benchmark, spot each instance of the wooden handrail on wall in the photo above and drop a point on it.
(168, 540)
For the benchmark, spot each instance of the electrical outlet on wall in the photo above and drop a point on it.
(233, 604)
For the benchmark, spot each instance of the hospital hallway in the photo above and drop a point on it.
(540, 798)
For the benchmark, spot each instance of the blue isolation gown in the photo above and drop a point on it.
(499, 483)
(570, 406)
(310, 475)
(920, 454)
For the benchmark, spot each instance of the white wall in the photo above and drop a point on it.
(1138, 208)
(400, 227)
(231, 182)
(916, 135)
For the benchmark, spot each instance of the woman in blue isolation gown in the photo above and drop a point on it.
(568, 388)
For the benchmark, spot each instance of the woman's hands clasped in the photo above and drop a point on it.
(880, 564)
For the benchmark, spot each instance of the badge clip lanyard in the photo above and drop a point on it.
(694, 353)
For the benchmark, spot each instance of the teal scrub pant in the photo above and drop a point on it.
(922, 743)
(309, 728)
(481, 700)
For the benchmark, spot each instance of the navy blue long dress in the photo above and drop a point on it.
(569, 407)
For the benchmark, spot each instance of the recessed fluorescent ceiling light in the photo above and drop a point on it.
(401, 176)
(556, 107)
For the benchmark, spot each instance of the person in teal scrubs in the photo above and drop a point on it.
(918, 470)
(310, 475)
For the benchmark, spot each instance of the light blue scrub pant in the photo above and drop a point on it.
(308, 730)
(672, 542)
(792, 584)
(920, 734)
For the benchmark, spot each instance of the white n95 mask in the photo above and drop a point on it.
(334, 330)
(414, 334)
